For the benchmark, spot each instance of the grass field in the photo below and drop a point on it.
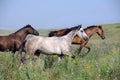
(102, 63)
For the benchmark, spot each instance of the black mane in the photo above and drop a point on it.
(92, 26)
(24, 27)
(67, 30)
(70, 29)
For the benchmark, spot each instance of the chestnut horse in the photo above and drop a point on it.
(62, 32)
(13, 41)
(77, 40)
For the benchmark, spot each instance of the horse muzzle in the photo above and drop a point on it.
(85, 38)
(103, 37)
(37, 33)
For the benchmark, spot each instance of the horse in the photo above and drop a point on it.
(62, 32)
(13, 41)
(90, 30)
(52, 45)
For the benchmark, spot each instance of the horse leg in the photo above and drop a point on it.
(13, 49)
(13, 53)
(60, 57)
(79, 50)
(88, 49)
(81, 46)
(36, 55)
(21, 49)
(25, 58)
(19, 53)
(70, 54)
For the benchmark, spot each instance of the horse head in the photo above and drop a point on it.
(81, 33)
(100, 32)
(31, 30)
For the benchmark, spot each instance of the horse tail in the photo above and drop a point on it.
(52, 33)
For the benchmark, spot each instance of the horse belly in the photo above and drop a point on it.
(2, 48)
(50, 47)
(5, 46)
(50, 50)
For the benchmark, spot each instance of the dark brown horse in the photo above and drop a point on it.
(77, 40)
(62, 32)
(13, 41)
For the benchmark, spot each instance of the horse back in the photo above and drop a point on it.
(6, 43)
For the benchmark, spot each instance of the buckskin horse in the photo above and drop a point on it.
(13, 41)
(52, 45)
(78, 40)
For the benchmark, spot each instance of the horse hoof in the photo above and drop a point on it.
(73, 57)
(22, 60)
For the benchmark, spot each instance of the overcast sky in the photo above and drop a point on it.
(15, 14)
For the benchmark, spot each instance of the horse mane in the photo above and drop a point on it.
(65, 31)
(70, 29)
(21, 29)
(75, 27)
(93, 26)
(24, 27)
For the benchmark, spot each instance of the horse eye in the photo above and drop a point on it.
(81, 31)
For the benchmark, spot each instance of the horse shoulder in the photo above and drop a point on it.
(77, 40)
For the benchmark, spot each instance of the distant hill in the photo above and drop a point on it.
(5, 32)
(44, 32)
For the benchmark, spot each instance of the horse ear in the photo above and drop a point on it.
(79, 26)
(28, 25)
(100, 26)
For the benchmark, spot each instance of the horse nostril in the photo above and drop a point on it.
(85, 38)
(103, 38)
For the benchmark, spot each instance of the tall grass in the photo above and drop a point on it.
(102, 63)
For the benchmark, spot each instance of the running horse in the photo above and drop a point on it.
(13, 41)
(52, 45)
(78, 40)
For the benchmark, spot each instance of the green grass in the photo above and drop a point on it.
(102, 63)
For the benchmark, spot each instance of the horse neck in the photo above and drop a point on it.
(70, 36)
(91, 31)
(21, 34)
(64, 32)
